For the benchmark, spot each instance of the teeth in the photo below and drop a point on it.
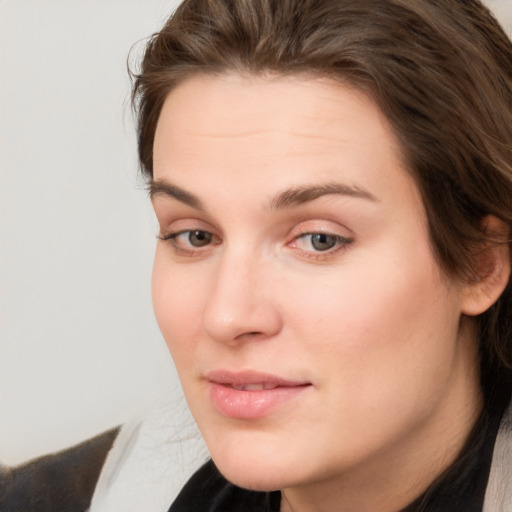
(255, 387)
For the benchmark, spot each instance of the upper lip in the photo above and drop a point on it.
(248, 378)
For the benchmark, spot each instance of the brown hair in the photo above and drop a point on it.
(440, 70)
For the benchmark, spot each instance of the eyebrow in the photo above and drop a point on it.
(283, 200)
(305, 193)
(159, 187)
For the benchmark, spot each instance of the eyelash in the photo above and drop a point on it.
(340, 243)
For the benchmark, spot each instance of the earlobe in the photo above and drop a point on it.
(492, 268)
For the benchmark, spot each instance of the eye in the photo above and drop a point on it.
(320, 242)
(196, 238)
(188, 241)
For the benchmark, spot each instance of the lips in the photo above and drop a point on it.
(251, 395)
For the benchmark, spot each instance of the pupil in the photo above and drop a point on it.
(199, 238)
(323, 242)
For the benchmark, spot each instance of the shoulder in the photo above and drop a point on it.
(209, 491)
(62, 481)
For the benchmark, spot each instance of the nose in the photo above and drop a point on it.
(241, 305)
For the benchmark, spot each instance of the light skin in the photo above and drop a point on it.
(294, 242)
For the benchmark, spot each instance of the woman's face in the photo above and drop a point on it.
(295, 286)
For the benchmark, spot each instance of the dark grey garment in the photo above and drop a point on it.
(59, 482)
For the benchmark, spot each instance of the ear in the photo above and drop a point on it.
(492, 266)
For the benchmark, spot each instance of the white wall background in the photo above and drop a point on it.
(79, 348)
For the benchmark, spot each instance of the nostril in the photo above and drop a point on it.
(251, 335)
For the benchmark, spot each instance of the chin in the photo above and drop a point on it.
(254, 466)
(252, 478)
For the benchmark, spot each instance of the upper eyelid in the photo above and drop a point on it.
(175, 234)
(321, 226)
(326, 233)
(183, 224)
(173, 227)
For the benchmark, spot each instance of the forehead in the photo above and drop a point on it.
(232, 104)
(284, 130)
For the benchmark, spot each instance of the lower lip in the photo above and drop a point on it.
(242, 404)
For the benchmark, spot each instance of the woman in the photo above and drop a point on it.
(333, 186)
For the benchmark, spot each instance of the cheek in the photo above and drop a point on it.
(177, 305)
(379, 324)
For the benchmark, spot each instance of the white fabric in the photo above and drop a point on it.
(498, 495)
(149, 463)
